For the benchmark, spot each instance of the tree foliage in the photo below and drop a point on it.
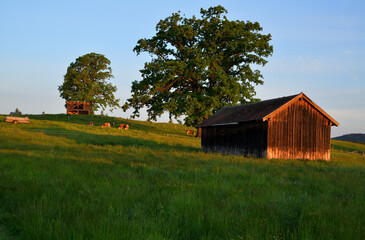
(199, 65)
(86, 80)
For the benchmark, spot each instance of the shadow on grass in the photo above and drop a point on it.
(113, 140)
(164, 128)
(96, 119)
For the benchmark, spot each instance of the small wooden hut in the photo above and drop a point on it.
(78, 107)
(292, 127)
(12, 119)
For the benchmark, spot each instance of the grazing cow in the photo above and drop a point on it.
(189, 132)
(124, 126)
(91, 123)
(106, 125)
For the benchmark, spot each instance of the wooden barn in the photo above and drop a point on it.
(78, 107)
(292, 127)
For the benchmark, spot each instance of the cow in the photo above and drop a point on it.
(189, 132)
(124, 126)
(91, 123)
(106, 125)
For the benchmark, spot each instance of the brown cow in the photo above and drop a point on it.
(91, 123)
(106, 125)
(124, 126)
(189, 132)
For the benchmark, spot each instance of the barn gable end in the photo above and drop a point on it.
(290, 127)
(74, 107)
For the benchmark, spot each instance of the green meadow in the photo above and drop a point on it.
(63, 179)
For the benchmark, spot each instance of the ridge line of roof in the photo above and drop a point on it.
(294, 95)
(270, 103)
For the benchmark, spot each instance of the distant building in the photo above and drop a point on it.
(78, 107)
(292, 127)
(15, 113)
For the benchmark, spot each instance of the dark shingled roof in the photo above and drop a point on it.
(246, 112)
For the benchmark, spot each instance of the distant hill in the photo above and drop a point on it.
(352, 137)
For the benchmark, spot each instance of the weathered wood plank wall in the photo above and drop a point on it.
(247, 139)
(298, 131)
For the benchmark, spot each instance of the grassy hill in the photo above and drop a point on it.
(63, 179)
(348, 146)
(352, 137)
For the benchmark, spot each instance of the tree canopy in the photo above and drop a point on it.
(199, 65)
(86, 80)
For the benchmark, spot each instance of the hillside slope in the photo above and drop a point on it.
(348, 146)
(63, 179)
(353, 137)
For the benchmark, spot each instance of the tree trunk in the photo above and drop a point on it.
(91, 109)
(170, 117)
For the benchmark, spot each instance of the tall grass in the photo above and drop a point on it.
(63, 179)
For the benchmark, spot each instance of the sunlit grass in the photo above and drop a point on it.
(63, 179)
(348, 146)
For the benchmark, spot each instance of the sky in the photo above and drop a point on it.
(319, 49)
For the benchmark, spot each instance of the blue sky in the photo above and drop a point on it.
(319, 49)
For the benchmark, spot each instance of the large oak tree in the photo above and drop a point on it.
(86, 80)
(199, 65)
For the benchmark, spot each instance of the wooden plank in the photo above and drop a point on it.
(243, 139)
(269, 139)
(297, 131)
(313, 135)
(289, 129)
(293, 153)
(282, 138)
(287, 132)
(306, 131)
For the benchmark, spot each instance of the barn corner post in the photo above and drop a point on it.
(199, 129)
(198, 132)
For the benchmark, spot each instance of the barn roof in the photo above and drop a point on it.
(255, 111)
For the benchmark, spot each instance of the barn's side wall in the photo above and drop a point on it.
(247, 139)
(299, 131)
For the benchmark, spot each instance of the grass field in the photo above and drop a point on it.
(63, 179)
(348, 146)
